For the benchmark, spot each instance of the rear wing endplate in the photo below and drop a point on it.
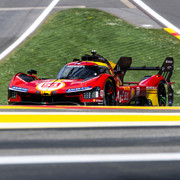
(166, 71)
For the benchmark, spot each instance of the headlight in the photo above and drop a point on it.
(94, 93)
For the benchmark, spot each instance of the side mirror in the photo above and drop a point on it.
(30, 72)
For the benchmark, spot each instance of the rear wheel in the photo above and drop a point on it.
(109, 93)
(161, 92)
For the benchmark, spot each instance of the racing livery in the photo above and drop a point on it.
(93, 80)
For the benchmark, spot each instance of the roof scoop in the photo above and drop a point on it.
(31, 72)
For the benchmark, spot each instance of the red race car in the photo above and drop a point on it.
(93, 80)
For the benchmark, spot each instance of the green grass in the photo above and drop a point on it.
(71, 33)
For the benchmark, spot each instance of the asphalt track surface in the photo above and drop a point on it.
(168, 9)
(13, 22)
(99, 141)
(17, 15)
(110, 140)
(93, 171)
(79, 141)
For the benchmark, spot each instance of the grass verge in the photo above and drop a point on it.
(71, 33)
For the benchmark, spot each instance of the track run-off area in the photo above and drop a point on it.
(84, 116)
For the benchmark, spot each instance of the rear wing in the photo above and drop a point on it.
(124, 64)
(166, 71)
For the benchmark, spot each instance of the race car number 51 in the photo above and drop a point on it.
(50, 86)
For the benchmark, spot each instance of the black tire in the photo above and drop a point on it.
(109, 93)
(161, 92)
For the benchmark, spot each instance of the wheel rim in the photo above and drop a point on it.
(109, 98)
(161, 94)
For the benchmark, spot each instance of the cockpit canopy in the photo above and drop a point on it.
(81, 71)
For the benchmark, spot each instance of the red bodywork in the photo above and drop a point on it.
(29, 89)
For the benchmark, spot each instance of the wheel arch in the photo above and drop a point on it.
(113, 97)
(153, 94)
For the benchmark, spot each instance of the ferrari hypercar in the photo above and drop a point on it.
(93, 80)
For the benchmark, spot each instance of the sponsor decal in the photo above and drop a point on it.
(50, 86)
(169, 61)
(126, 88)
(77, 66)
(20, 89)
(46, 93)
(132, 92)
(169, 67)
(78, 89)
(151, 87)
(98, 100)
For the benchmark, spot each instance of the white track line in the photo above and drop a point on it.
(31, 29)
(46, 125)
(89, 158)
(156, 15)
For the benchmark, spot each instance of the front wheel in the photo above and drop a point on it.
(161, 92)
(109, 93)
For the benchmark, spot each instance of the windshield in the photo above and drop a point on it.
(80, 72)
